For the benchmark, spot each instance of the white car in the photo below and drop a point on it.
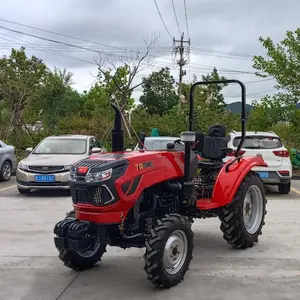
(270, 146)
(48, 165)
(157, 142)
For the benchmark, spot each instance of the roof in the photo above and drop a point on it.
(73, 136)
(268, 133)
(161, 138)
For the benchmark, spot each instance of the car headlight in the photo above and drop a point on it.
(22, 166)
(68, 168)
(99, 176)
(72, 176)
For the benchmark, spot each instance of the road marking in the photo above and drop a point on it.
(11, 186)
(295, 190)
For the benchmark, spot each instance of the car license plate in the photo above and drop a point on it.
(45, 178)
(263, 175)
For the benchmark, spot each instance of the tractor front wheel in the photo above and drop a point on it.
(85, 258)
(91, 252)
(242, 220)
(169, 251)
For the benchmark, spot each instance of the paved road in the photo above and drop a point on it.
(30, 269)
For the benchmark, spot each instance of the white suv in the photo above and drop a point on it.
(269, 145)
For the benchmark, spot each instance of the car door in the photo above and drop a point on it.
(1, 155)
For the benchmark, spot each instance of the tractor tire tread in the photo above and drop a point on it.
(73, 260)
(230, 216)
(154, 251)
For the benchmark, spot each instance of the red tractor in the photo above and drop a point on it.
(150, 198)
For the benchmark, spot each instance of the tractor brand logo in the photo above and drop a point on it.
(143, 165)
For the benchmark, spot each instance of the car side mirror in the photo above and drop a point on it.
(170, 146)
(141, 140)
(96, 150)
(29, 150)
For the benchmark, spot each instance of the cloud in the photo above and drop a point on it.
(223, 34)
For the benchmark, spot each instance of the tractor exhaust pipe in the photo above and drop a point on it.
(117, 132)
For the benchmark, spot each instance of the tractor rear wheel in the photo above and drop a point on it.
(242, 220)
(169, 251)
(90, 253)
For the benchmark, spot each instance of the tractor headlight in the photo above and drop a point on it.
(98, 176)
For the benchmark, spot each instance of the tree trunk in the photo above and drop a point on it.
(15, 121)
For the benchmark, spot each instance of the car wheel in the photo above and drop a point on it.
(5, 173)
(284, 188)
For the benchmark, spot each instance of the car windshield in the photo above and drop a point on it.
(61, 146)
(259, 142)
(157, 144)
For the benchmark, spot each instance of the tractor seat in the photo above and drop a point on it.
(214, 147)
(213, 165)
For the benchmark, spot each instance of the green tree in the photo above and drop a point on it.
(208, 94)
(96, 102)
(20, 80)
(283, 63)
(159, 93)
(58, 99)
(268, 112)
(117, 85)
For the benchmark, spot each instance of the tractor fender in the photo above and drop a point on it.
(227, 183)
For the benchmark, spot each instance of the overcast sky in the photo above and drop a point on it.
(223, 33)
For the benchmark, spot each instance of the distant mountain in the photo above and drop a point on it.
(236, 107)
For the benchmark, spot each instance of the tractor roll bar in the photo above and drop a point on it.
(243, 115)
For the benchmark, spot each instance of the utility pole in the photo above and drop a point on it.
(182, 51)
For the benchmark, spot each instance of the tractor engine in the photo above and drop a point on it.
(204, 183)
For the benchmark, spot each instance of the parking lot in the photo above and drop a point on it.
(30, 268)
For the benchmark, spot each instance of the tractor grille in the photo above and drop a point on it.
(89, 163)
(46, 169)
(98, 196)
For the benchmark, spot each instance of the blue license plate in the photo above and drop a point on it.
(263, 175)
(45, 178)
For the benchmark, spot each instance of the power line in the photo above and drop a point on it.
(223, 52)
(60, 34)
(95, 51)
(57, 42)
(49, 40)
(162, 20)
(47, 51)
(186, 20)
(253, 94)
(262, 80)
(174, 10)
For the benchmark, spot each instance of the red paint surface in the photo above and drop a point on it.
(166, 165)
(227, 184)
